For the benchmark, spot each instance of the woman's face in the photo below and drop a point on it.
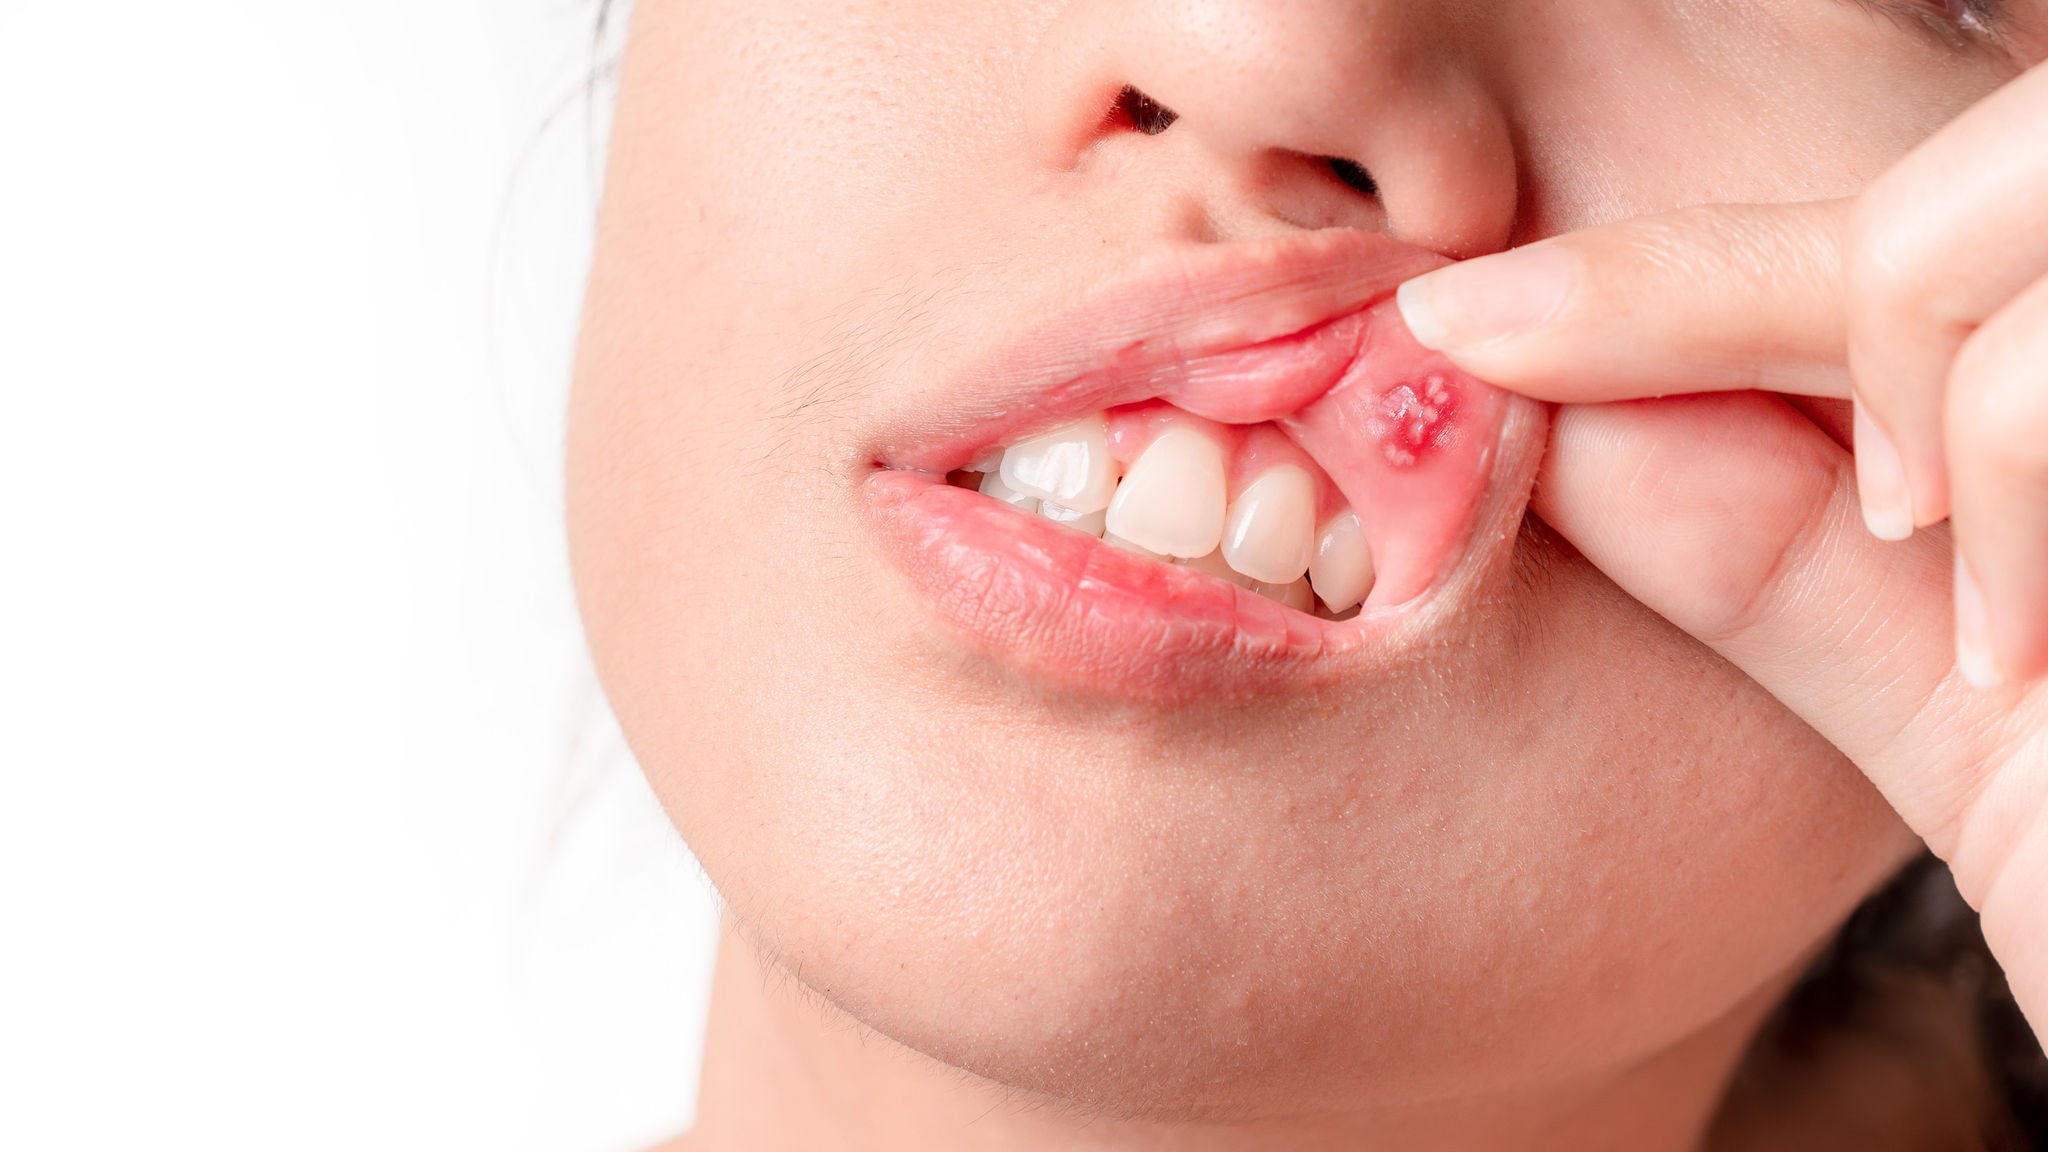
(1129, 836)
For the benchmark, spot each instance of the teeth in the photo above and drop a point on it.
(1171, 502)
(1215, 566)
(1089, 522)
(992, 486)
(1271, 530)
(1170, 507)
(1297, 595)
(1341, 569)
(1069, 466)
(1118, 542)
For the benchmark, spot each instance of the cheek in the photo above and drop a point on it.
(784, 121)
(1699, 98)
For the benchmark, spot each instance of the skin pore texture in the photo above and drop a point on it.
(1524, 868)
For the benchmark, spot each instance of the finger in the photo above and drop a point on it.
(1933, 249)
(1736, 518)
(1997, 435)
(1703, 299)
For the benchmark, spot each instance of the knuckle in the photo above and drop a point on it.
(1716, 242)
(1997, 408)
(1892, 260)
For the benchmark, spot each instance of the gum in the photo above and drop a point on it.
(1401, 437)
(1411, 442)
(1249, 450)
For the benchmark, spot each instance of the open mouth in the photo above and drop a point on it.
(1234, 487)
(1243, 504)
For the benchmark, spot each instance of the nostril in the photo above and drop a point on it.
(1355, 177)
(1136, 110)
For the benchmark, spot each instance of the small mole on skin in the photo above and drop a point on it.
(1412, 418)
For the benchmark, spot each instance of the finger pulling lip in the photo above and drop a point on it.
(1299, 332)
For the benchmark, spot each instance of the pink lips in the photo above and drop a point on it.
(1300, 331)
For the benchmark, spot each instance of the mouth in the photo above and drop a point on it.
(1224, 473)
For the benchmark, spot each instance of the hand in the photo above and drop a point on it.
(1736, 516)
(1928, 293)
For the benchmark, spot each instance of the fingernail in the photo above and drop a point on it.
(1493, 298)
(1881, 481)
(1974, 656)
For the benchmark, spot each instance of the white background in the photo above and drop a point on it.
(313, 831)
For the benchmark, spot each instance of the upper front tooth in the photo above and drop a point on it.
(1171, 501)
(1342, 568)
(992, 486)
(1271, 530)
(1069, 466)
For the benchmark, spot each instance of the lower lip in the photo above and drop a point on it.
(1072, 611)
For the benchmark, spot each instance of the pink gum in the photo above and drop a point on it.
(1412, 442)
(1249, 450)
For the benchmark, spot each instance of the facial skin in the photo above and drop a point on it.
(1540, 840)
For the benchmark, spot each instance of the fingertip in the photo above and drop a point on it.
(1887, 523)
(1419, 313)
(1486, 302)
(1881, 481)
(1976, 654)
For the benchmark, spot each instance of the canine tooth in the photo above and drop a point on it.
(1171, 501)
(988, 461)
(1215, 566)
(1341, 569)
(1296, 595)
(1069, 466)
(992, 485)
(1271, 530)
(1089, 522)
(1118, 542)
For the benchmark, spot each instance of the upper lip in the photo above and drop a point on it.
(1133, 338)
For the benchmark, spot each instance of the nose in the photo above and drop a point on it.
(1279, 113)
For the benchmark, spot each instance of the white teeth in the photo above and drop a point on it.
(1271, 530)
(1215, 566)
(992, 486)
(1089, 522)
(1170, 507)
(1069, 466)
(1297, 595)
(1172, 499)
(1341, 569)
(1121, 544)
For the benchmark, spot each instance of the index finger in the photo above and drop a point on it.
(1708, 299)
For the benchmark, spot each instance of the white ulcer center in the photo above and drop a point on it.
(1173, 505)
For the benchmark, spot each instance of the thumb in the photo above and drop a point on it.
(1736, 518)
(1705, 299)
